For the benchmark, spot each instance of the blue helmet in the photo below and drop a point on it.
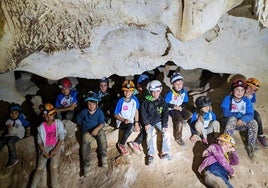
(15, 107)
(91, 96)
(143, 79)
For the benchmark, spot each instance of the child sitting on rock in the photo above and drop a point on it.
(127, 115)
(218, 158)
(253, 87)
(15, 126)
(239, 114)
(66, 101)
(107, 100)
(154, 115)
(177, 98)
(204, 121)
(91, 122)
(50, 137)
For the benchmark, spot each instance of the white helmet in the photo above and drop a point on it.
(155, 85)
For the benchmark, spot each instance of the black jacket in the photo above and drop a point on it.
(155, 111)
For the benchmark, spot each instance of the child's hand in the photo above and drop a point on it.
(165, 129)
(52, 153)
(231, 149)
(137, 127)
(9, 125)
(46, 155)
(194, 138)
(176, 107)
(95, 132)
(239, 122)
(126, 121)
(147, 127)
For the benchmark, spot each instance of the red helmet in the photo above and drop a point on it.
(65, 82)
(239, 83)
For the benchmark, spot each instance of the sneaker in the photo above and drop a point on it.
(180, 142)
(150, 160)
(86, 172)
(104, 162)
(135, 147)
(11, 163)
(166, 156)
(250, 151)
(263, 141)
(122, 148)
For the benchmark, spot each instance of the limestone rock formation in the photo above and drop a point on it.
(91, 39)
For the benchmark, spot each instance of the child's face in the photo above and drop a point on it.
(238, 92)
(140, 87)
(103, 87)
(225, 146)
(155, 94)
(49, 118)
(91, 105)
(65, 90)
(250, 90)
(178, 85)
(14, 114)
(128, 93)
(205, 109)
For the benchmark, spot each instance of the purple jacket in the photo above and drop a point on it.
(214, 154)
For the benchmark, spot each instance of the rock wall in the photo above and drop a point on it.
(91, 39)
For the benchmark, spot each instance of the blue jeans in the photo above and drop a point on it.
(10, 141)
(218, 170)
(151, 138)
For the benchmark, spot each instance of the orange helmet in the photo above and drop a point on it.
(227, 138)
(128, 85)
(239, 83)
(254, 83)
(48, 109)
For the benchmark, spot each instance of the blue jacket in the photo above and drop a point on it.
(179, 98)
(245, 112)
(210, 116)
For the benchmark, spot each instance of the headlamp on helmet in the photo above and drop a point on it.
(48, 109)
(226, 138)
(65, 83)
(254, 83)
(128, 85)
(238, 83)
(155, 85)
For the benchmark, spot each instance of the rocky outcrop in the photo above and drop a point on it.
(91, 39)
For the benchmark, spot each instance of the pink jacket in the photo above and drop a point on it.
(214, 154)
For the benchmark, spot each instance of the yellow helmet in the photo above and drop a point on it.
(254, 83)
(128, 85)
(227, 138)
(48, 109)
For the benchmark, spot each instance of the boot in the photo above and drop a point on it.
(251, 151)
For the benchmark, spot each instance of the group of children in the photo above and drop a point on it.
(142, 109)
